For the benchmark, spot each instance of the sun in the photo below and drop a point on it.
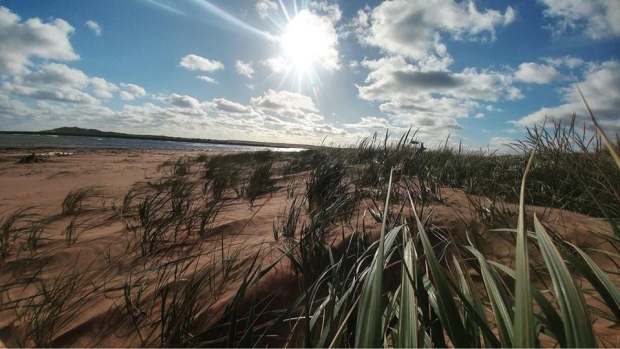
(305, 41)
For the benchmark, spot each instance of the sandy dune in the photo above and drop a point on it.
(101, 261)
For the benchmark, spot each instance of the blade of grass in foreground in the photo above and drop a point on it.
(408, 327)
(446, 306)
(598, 278)
(524, 335)
(551, 318)
(497, 297)
(368, 328)
(570, 299)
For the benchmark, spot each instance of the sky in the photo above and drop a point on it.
(309, 71)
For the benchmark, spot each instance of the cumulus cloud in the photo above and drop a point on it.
(223, 104)
(69, 95)
(182, 101)
(52, 81)
(287, 104)
(265, 7)
(501, 144)
(12, 109)
(393, 76)
(55, 74)
(533, 73)
(323, 8)
(207, 79)
(244, 69)
(195, 62)
(597, 19)
(102, 88)
(276, 65)
(130, 92)
(370, 122)
(94, 26)
(567, 61)
(32, 38)
(432, 100)
(601, 88)
(413, 28)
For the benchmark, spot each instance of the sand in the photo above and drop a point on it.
(101, 254)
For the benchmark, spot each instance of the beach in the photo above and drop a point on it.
(61, 170)
(111, 285)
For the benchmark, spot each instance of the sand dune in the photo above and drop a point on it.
(102, 259)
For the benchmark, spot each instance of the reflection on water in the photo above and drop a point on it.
(56, 141)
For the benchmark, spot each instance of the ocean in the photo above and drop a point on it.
(25, 141)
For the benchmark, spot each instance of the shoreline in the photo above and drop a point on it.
(121, 136)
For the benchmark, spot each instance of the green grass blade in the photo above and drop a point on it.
(553, 320)
(577, 322)
(469, 291)
(368, 328)
(598, 278)
(446, 306)
(524, 335)
(500, 303)
(408, 326)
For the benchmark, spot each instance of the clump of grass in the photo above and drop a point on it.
(74, 202)
(260, 182)
(20, 231)
(179, 167)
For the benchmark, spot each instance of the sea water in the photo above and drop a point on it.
(78, 142)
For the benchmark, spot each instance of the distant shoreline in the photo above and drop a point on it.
(102, 134)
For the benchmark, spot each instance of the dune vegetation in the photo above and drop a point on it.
(374, 245)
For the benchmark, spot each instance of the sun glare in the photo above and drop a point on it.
(304, 42)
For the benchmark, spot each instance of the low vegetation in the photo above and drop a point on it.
(358, 256)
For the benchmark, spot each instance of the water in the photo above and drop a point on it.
(76, 142)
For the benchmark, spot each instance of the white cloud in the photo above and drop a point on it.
(244, 69)
(195, 62)
(597, 19)
(276, 65)
(534, 73)
(501, 144)
(12, 108)
(413, 28)
(207, 79)
(265, 7)
(393, 76)
(432, 100)
(182, 101)
(53, 81)
(55, 74)
(222, 104)
(94, 26)
(601, 88)
(368, 122)
(568, 61)
(331, 11)
(288, 104)
(70, 95)
(102, 88)
(32, 38)
(130, 92)
(328, 129)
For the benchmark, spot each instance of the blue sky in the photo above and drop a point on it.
(307, 71)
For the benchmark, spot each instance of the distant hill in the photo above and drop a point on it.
(91, 132)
